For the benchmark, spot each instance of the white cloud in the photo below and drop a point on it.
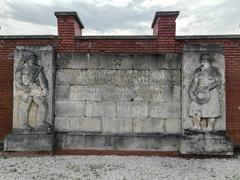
(9, 26)
(153, 3)
(122, 3)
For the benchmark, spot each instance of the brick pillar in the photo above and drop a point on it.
(69, 26)
(164, 27)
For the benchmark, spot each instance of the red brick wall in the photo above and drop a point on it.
(163, 43)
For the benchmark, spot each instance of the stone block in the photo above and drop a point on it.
(170, 94)
(206, 144)
(101, 109)
(78, 61)
(122, 77)
(90, 124)
(117, 77)
(62, 92)
(116, 125)
(107, 93)
(163, 143)
(88, 93)
(77, 124)
(62, 124)
(131, 143)
(165, 110)
(116, 61)
(28, 142)
(148, 125)
(71, 77)
(147, 142)
(140, 77)
(70, 141)
(116, 93)
(173, 126)
(149, 93)
(132, 109)
(146, 61)
(165, 77)
(70, 108)
(172, 61)
(74, 124)
(84, 141)
(117, 142)
(98, 141)
(157, 61)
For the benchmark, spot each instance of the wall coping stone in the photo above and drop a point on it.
(70, 13)
(27, 36)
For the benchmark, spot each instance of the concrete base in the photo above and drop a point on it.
(28, 142)
(206, 144)
(159, 142)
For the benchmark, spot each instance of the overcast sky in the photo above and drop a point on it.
(120, 17)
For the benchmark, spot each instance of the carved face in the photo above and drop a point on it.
(32, 60)
(205, 61)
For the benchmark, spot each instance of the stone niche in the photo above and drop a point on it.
(118, 101)
(33, 93)
(203, 101)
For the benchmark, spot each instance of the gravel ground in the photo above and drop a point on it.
(117, 167)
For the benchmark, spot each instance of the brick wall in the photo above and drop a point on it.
(69, 40)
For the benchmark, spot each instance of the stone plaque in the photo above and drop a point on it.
(203, 88)
(126, 93)
(33, 88)
(203, 102)
(33, 93)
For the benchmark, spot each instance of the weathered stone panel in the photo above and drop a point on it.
(195, 78)
(138, 93)
(34, 75)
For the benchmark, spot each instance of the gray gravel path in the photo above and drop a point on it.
(117, 167)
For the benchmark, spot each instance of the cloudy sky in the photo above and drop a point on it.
(120, 17)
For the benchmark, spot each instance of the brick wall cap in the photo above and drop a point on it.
(228, 36)
(117, 37)
(27, 36)
(70, 13)
(164, 13)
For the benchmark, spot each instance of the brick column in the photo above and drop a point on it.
(69, 26)
(164, 27)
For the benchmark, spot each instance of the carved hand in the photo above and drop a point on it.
(202, 89)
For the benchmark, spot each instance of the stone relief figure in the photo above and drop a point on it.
(31, 87)
(205, 105)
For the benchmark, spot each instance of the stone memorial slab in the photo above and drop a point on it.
(203, 99)
(33, 98)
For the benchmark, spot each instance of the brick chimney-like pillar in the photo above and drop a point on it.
(164, 27)
(69, 26)
(164, 23)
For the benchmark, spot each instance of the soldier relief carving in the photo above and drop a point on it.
(31, 87)
(204, 95)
